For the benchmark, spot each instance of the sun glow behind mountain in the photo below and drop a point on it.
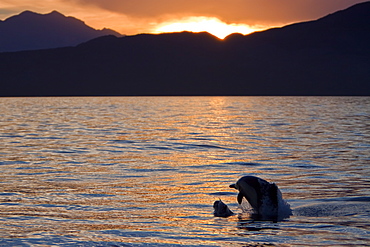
(211, 25)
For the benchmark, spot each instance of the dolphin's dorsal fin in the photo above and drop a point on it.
(273, 193)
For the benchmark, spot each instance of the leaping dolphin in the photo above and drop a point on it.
(264, 197)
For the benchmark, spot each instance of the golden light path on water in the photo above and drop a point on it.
(146, 170)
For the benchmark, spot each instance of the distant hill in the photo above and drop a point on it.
(329, 56)
(32, 31)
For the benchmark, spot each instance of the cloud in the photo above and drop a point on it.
(138, 16)
(282, 11)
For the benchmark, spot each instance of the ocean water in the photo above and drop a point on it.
(145, 171)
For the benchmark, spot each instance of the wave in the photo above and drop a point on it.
(349, 206)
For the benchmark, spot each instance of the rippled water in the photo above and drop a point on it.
(145, 171)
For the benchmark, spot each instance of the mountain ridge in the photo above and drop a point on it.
(33, 31)
(310, 58)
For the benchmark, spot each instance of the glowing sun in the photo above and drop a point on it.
(211, 25)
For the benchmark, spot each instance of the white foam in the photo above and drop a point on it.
(284, 210)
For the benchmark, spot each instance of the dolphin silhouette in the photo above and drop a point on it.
(261, 195)
(221, 209)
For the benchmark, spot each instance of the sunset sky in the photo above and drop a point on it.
(219, 17)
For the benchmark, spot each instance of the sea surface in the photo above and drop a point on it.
(145, 171)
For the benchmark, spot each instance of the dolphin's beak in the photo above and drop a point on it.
(232, 186)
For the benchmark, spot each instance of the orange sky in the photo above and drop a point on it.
(148, 16)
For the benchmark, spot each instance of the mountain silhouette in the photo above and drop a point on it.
(32, 31)
(328, 56)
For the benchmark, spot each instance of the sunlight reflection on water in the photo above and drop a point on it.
(146, 170)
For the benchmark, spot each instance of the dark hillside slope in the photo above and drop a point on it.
(32, 31)
(330, 56)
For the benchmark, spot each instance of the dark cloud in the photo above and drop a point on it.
(228, 10)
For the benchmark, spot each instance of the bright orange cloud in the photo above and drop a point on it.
(211, 25)
(247, 11)
(146, 16)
